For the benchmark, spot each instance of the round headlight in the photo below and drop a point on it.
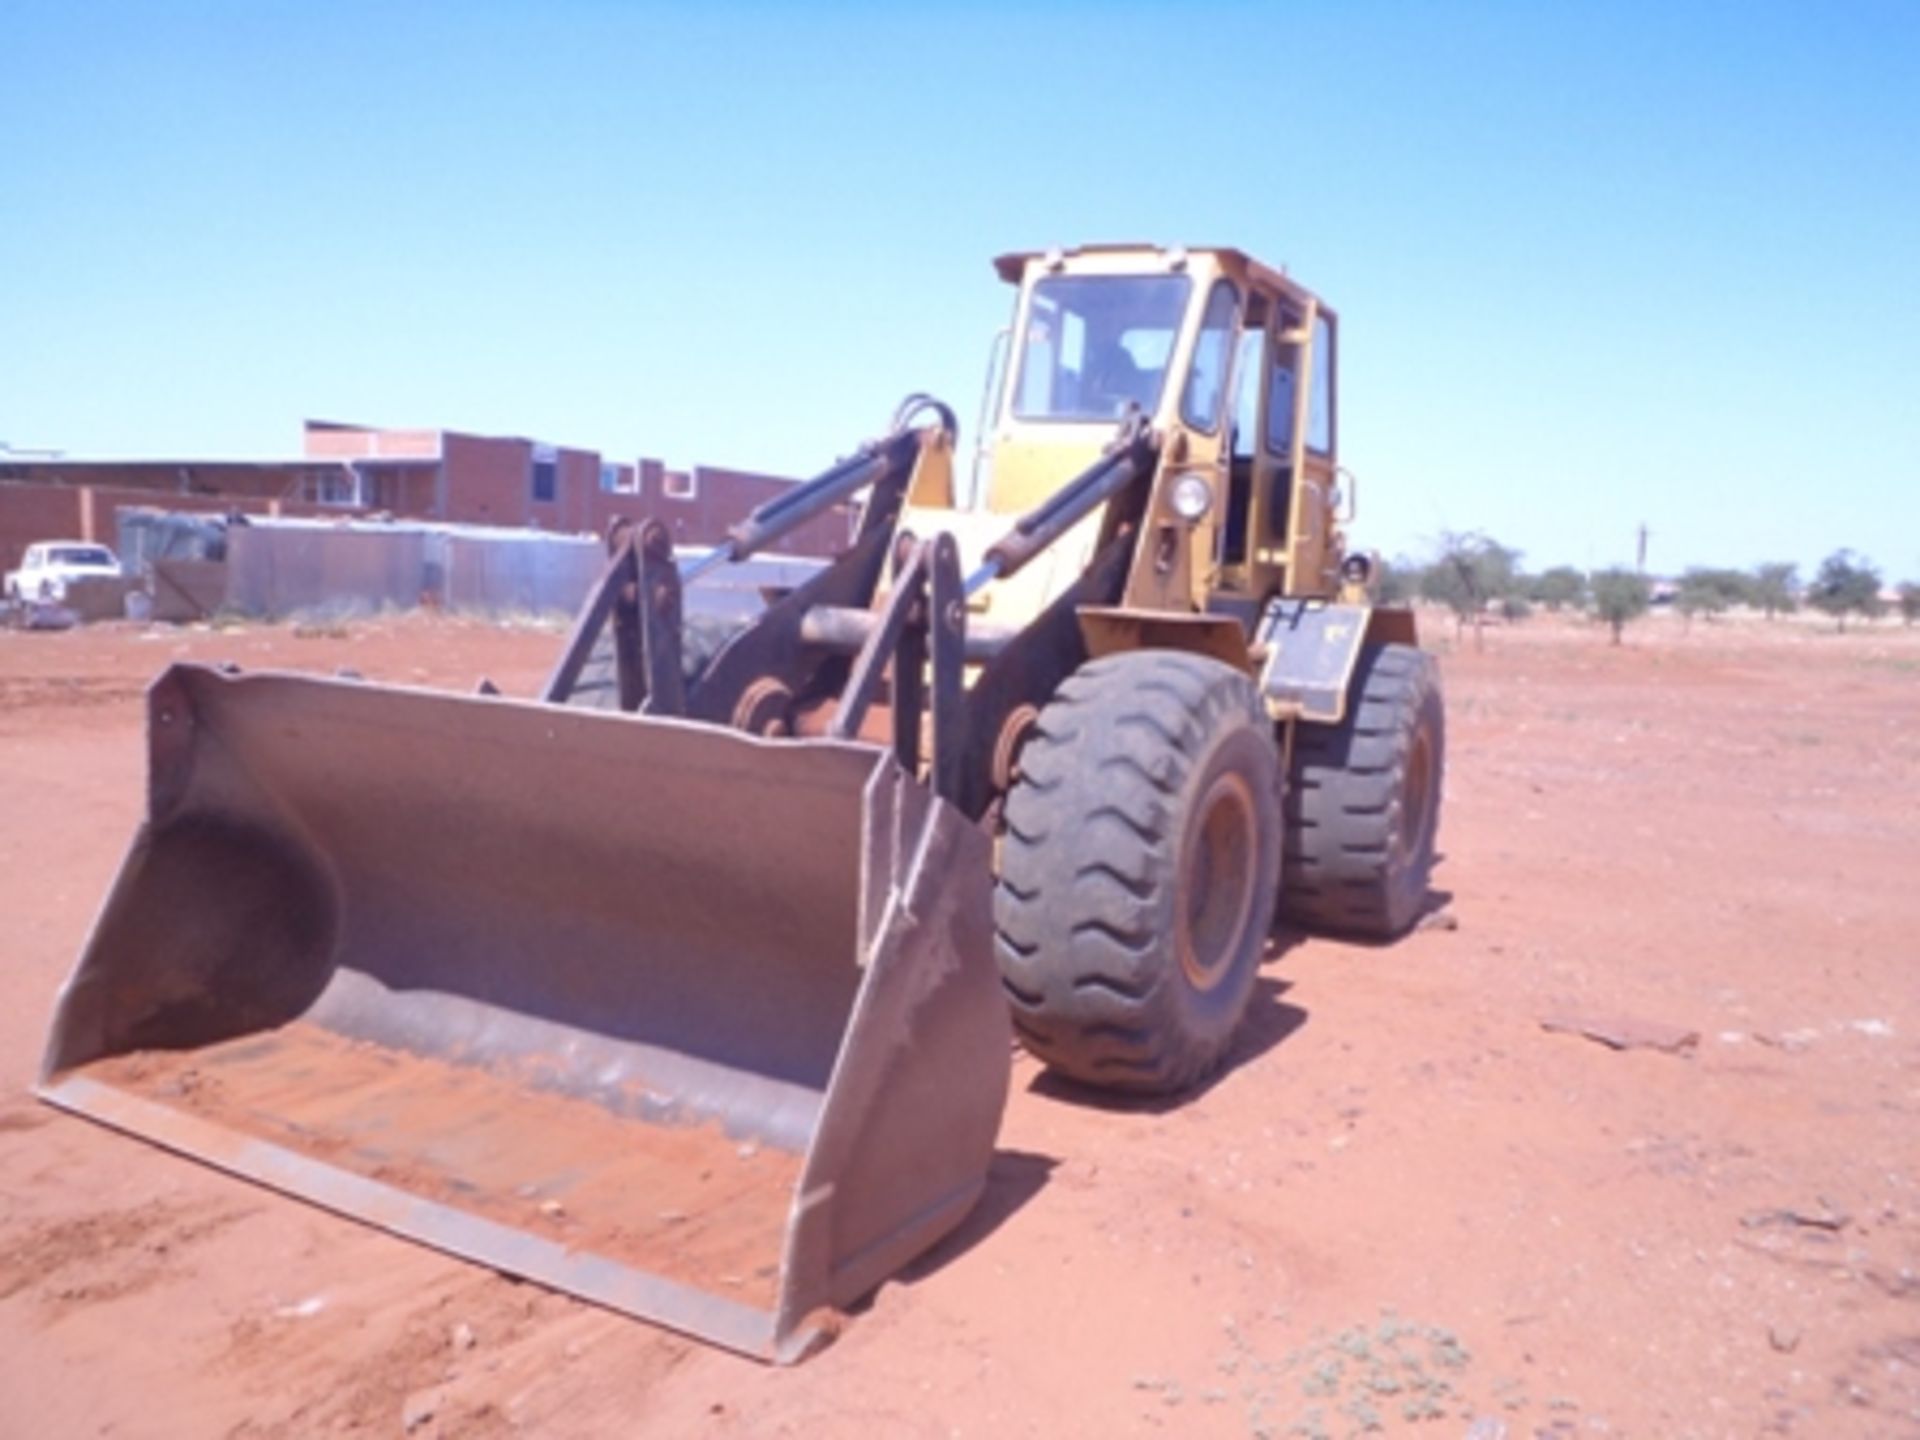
(1191, 496)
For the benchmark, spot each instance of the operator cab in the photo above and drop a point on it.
(1232, 362)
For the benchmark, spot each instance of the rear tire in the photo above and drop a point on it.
(702, 637)
(1363, 801)
(1138, 870)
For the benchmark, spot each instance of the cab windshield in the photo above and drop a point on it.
(1095, 344)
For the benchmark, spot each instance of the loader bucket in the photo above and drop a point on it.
(701, 1027)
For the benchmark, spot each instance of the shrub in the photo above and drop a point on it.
(1846, 585)
(1620, 596)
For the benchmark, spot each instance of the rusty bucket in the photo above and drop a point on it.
(698, 1026)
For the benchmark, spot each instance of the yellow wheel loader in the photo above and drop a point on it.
(699, 1007)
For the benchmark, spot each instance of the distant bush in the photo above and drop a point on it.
(1399, 580)
(1469, 571)
(1711, 592)
(1847, 585)
(1561, 586)
(1774, 584)
(1620, 596)
(1910, 601)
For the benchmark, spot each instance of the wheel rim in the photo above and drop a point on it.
(1416, 798)
(1217, 882)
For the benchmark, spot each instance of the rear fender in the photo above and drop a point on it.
(1311, 649)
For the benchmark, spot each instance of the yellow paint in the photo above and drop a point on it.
(932, 481)
(1029, 467)
(1174, 572)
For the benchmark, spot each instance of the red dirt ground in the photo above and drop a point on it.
(1407, 1205)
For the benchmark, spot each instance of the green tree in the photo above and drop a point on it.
(1468, 572)
(1910, 600)
(1710, 592)
(1847, 585)
(1562, 585)
(1774, 584)
(1619, 596)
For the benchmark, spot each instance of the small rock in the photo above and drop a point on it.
(1487, 1427)
(552, 1208)
(418, 1410)
(748, 1150)
(463, 1337)
(1438, 920)
(1783, 1338)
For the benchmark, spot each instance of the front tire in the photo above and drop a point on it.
(1138, 870)
(1363, 801)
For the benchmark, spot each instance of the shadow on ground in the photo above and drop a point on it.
(1268, 1021)
(1435, 914)
(1013, 1178)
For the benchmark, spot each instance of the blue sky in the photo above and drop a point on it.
(1596, 265)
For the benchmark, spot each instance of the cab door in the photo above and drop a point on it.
(1267, 455)
(1306, 348)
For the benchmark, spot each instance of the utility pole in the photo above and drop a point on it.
(1640, 555)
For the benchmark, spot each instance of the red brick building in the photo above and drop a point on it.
(417, 474)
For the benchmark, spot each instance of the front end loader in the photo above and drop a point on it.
(698, 1007)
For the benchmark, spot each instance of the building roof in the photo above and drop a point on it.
(202, 462)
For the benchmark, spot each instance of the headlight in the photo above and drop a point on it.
(1191, 496)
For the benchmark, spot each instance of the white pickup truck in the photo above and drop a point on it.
(48, 567)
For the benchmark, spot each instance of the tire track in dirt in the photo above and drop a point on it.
(465, 1354)
(108, 1254)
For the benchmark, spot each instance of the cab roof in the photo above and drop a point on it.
(1011, 266)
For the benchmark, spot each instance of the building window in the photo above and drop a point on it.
(681, 485)
(546, 475)
(329, 487)
(619, 479)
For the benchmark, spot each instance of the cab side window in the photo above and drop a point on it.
(1280, 391)
(1249, 373)
(1283, 390)
(1248, 369)
(1320, 401)
(1207, 375)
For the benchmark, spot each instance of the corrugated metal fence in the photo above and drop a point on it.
(276, 570)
